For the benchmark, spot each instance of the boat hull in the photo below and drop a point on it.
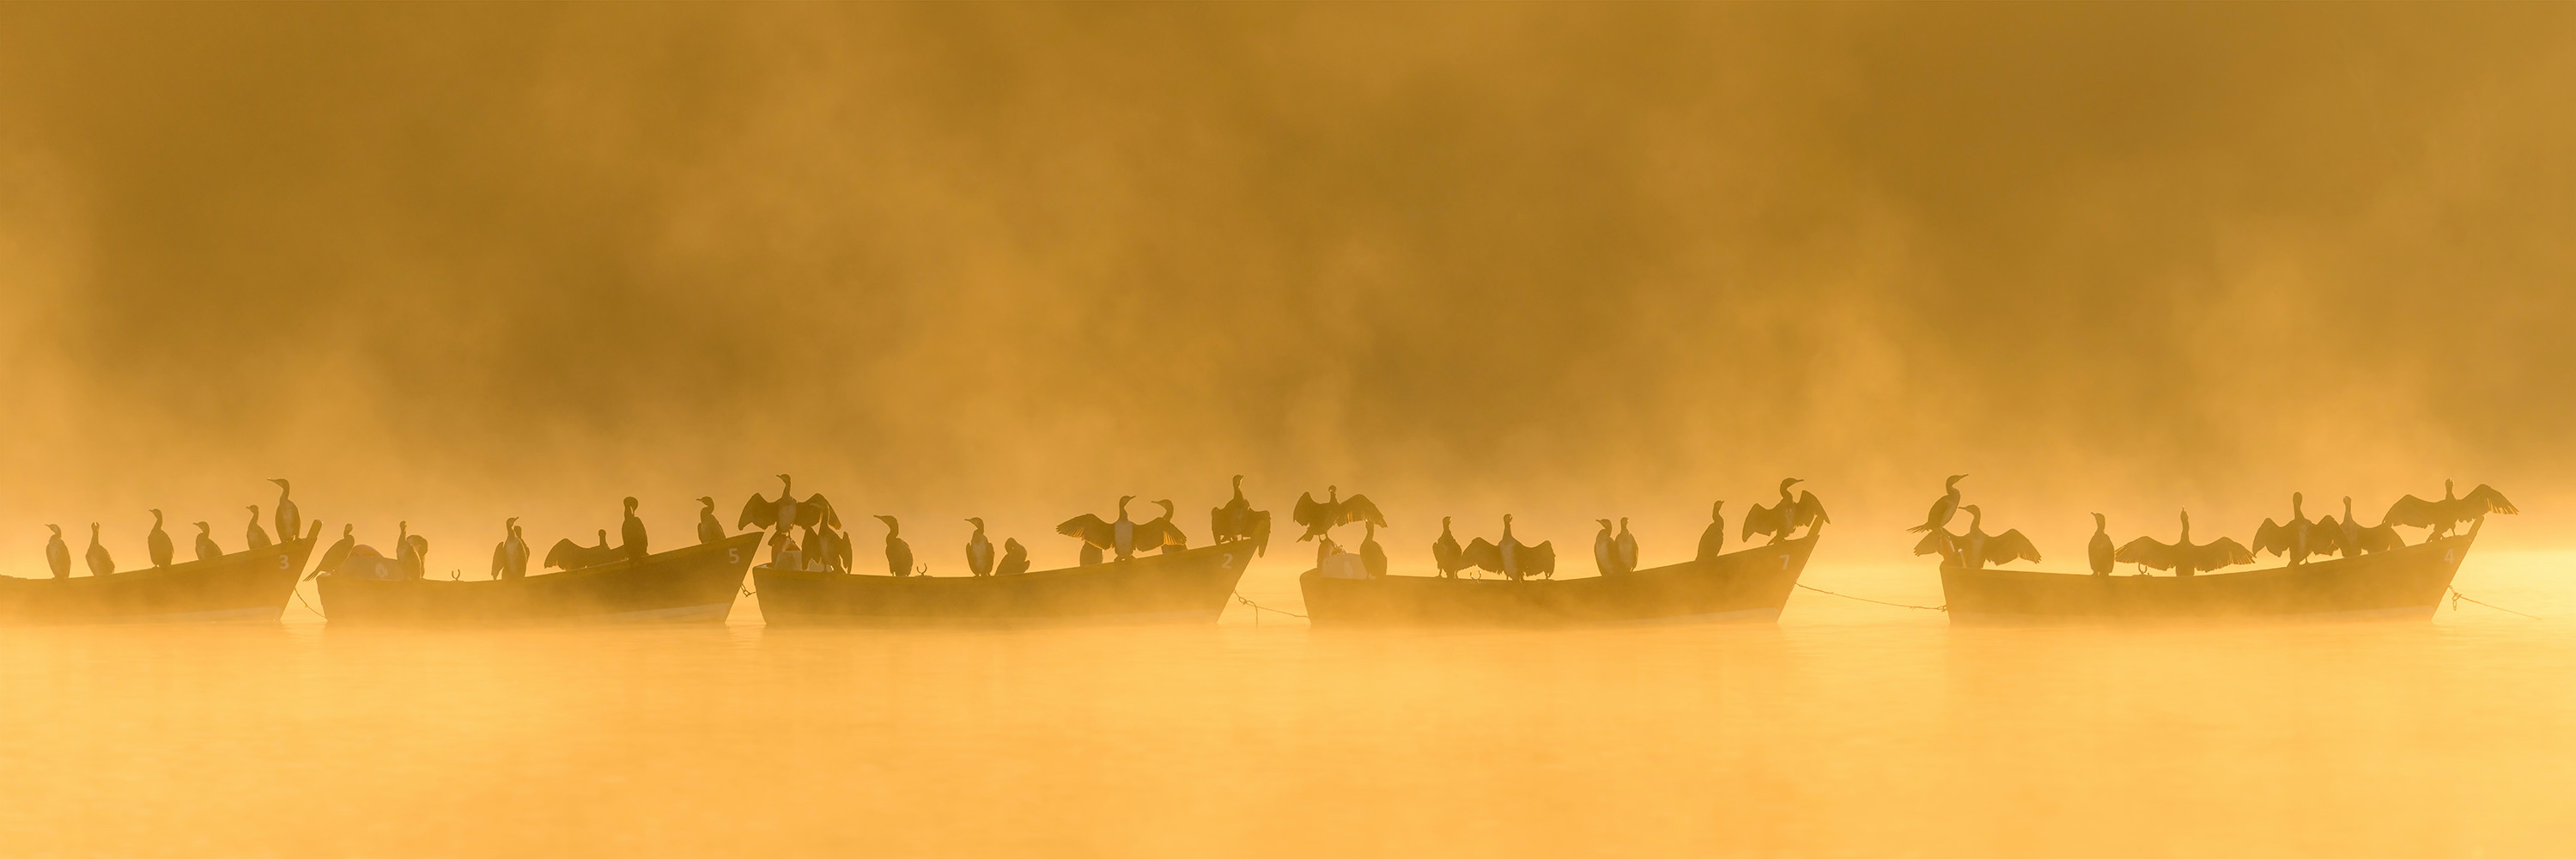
(2405, 583)
(694, 584)
(1748, 585)
(250, 586)
(1189, 586)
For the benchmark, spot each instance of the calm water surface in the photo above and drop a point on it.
(1848, 729)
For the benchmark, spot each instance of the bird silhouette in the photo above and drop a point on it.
(58, 556)
(331, 558)
(1161, 533)
(207, 549)
(1099, 536)
(1627, 548)
(1015, 558)
(898, 552)
(1446, 553)
(1975, 549)
(787, 511)
(1238, 521)
(1605, 550)
(2348, 538)
(1372, 555)
(1943, 508)
(710, 529)
(783, 553)
(1790, 514)
(100, 563)
(979, 550)
(569, 555)
(1512, 558)
(632, 531)
(510, 556)
(290, 521)
(1712, 541)
(2296, 538)
(1322, 516)
(2182, 556)
(253, 536)
(2446, 514)
(159, 542)
(2098, 553)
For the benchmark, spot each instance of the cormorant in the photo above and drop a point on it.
(814, 550)
(569, 555)
(57, 555)
(1802, 511)
(1446, 554)
(1712, 542)
(1627, 548)
(2297, 538)
(632, 531)
(256, 538)
(290, 521)
(1119, 536)
(1319, 517)
(1942, 508)
(1975, 549)
(1161, 533)
(710, 529)
(2441, 516)
(1015, 558)
(2182, 557)
(1605, 550)
(1090, 554)
(1372, 556)
(979, 550)
(331, 557)
(207, 549)
(510, 556)
(1512, 558)
(783, 554)
(1238, 521)
(159, 542)
(407, 558)
(2098, 552)
(100, 564)
(898, 552)
(2348, 538)
(787, 511)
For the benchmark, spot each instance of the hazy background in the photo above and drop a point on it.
(455, 263)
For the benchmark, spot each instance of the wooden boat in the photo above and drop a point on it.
(1188, 586)
(1745, 585)
(2405, 583)
(250, 586)
(690, 584)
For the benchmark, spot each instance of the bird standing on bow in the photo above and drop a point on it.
(2297, 538)
(1372, 555)
(256, 538)
(1790, 514)
(1015, 558)
(1098, 536)
(1515, 560)
(416, 548)
(1627, 548)
(632, 531)
(1605, 550)
(58, 556)
(1238, 521)
(331, 557)
(158, 542)
(2348, 538)
(898, 552)
(710, 529)
(1975, 549)
(1446, 554)
(1712, 542)
(1322, 516)
(1943, 507)
(979, 550)
(290, 521)
(787, 511)
(2446, 514)
(2182, 557)
(207, 549)
(510, 556)
(1161, 533)
(2098, 553)
(100, 563)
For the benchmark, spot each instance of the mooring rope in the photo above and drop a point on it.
(299, 597)
(2457, 598)
(1258, 608)
(1868, 600)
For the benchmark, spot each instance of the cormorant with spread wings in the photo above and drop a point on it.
(1161, 533)
(2348, 538)
(2297, 538)
(1803, 511)
(787, 510)
(1100, 536)
(2441, 516)
(1321, 516)
(568, 555)
(2181, 556)
(1238, 521)
(1975, 549)
(1512, 558)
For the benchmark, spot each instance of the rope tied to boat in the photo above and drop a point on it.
(1868, 600)
(2457, 598)
(299, 597)
(1258, 608)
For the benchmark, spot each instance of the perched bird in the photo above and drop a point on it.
(159, 542)
(290, 521)
(1942, 508)
(207, 549)
(1238, 521)
(2441, 516)
(1015, 558)
(1372, 556)
(1512, 558)
(2099, 552)
(419, 547)
(787, 511)
(783, 554)
(979, 550)
(1803, 511)
(710, 529)
(2181, 556)
(1319, 517)
(815, 549)
(2348, 538)
(828, 549)
(510, 556)
(1446, 554)
(331, 558)
(57, 555)
(898, 552)
(1098, 536)
(2297, 538)
(1605, 550)
(100, 563)
(1975, 549)
(1161, 533)
(1325, 550)
(1627, 548)
(632, 531)
(569, 555)
(1712, 542)
(411, 554)
(256, 538)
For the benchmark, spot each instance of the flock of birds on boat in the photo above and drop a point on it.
(2299, 538)
(806, 534)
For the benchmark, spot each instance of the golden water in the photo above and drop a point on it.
(1847, 729)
